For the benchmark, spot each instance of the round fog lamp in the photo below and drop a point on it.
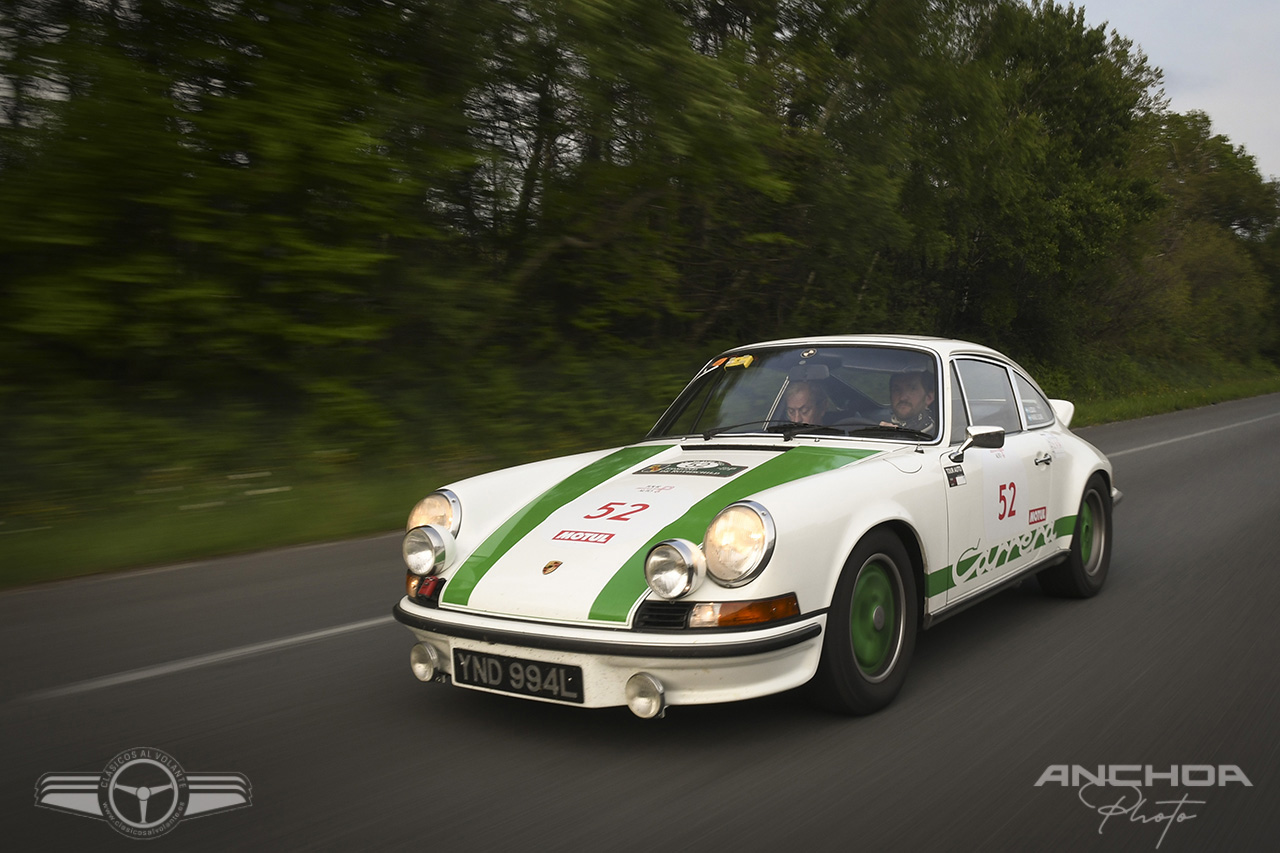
(645, 696)
(424, 662)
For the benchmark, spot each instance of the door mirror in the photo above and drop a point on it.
(988, 437)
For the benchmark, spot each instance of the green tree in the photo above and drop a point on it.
(1019, 186)
(228, 205)
(1201, 286)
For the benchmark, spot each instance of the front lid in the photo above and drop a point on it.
(576, 553)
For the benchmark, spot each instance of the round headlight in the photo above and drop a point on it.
(427, 550)
(441, 508)
(739, 543)
(674, 568)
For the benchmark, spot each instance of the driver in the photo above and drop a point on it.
(911, 393)
(806, 403)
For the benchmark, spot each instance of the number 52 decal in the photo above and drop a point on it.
(610, 511)
(1008, 491)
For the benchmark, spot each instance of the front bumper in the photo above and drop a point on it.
(694, 667)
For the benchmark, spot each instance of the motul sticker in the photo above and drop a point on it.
(699, 467)
(955, 475)
(581, 536)
(1038, 516)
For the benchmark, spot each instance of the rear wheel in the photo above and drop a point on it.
(871, 629)
(1085, 570)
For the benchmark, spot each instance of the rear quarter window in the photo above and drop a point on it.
(1035, 407)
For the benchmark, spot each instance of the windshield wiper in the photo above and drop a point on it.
(893, 428)
(790, 429)
(706, 436)
(837, 426)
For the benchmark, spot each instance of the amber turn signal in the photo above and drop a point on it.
(732, 614)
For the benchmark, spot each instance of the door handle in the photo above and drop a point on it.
(1046, 459)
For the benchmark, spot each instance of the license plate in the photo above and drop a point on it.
(514, 675)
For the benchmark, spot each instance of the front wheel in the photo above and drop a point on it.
(1085, 570)
(871, 629)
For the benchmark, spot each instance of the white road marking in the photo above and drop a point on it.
(202, 660)
(299, 639)
(1114, 454)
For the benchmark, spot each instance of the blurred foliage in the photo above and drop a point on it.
(245, 233)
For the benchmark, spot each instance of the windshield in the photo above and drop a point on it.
(870, 391)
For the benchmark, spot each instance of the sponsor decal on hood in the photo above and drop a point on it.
(696, 468)
(600, 523)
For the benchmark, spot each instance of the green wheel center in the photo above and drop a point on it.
(873, 617)
(1086, 532)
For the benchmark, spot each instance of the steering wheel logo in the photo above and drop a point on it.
(143, 793)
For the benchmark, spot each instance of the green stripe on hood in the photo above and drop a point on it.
(628, 584)
(458, 590)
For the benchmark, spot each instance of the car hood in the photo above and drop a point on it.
(575, 553)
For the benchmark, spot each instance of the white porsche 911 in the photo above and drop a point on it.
(800, 511)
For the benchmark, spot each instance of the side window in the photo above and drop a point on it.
(1036, 408)
(990, 396)
(959, 420)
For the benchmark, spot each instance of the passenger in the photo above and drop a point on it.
(911, 393)
(806, 403)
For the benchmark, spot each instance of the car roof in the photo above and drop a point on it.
(943, 346)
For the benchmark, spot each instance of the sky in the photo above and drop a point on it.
(1222, 59)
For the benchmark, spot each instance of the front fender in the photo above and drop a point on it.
(821, 519)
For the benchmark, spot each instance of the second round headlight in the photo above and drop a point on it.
(441, 508)
(674, 568)
(739, 543)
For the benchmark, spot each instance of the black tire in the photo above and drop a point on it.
(1085, 570)
(864, 665)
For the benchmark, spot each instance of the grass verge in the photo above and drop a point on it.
(209, 516)
(1091, 412)
(180, 516)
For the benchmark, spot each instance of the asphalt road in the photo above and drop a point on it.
(287, 668)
